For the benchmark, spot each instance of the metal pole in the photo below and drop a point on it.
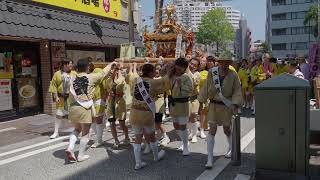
(131, 21)
(236, 143)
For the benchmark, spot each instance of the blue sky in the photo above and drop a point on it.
(253, 10)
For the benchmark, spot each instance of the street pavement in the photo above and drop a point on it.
(27, 153)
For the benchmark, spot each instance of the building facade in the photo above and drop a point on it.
(285, 32)
(189, 13)
(36, 35)
(243, 40)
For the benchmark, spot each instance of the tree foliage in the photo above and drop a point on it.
(264, 47)
(215, 29)
(312, 18)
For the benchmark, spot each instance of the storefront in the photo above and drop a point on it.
(20, 82)
(36, 35)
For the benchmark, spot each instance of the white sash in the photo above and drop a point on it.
(100, 102)
(145, 95)
(217, 85)
(84, 103)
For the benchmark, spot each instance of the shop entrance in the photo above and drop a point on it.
(20, 82)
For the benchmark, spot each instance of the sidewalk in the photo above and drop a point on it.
(26, 128)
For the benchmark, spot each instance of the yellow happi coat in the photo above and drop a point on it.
(79, 114)
(257, 75)
(244, 79)
(140, 114)
(159, 102)
(196, 77)
(56, 87)
(99, 96)
(183, 90)
(231, 89)
(116, 102)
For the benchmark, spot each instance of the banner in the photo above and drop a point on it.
(104, 8)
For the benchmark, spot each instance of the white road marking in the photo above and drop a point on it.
(221, 163)
(41, 122)
(247, 139)
(217, 168)
(34, 145)
(7, 129)
(242, 177)
(16, 158)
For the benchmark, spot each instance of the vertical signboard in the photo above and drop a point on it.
(5, 95)
(178, 45)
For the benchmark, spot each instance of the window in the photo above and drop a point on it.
(299, 46)
(279, 32)
(301, 30)
(282, 46)
(298, 15)
(278, 2)
(278, 17)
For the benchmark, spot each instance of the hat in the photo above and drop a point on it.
(226, 56)
(301, 56)
(293, 63)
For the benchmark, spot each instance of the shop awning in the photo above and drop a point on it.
(29, 21)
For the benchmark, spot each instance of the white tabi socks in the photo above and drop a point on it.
(147, 148)
(189, 129)
(210, 146)
(99, 133)
(194, 132)
(228, 155)
(57, 124)
(202, 134)
(137, 155)
(93, 131)
(184, 138)
(70, 151)
(157, 155)
(83, 145)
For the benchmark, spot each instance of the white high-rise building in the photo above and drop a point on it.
(285, 32)
(189, 12)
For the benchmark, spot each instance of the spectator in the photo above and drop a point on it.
(304, 67)
(294, 70)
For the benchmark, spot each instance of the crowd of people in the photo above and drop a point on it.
(199, 93)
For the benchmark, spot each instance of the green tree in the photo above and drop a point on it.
(215, 29)
(264, 47)
(312, 18)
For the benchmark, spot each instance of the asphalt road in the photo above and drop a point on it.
(27, 153)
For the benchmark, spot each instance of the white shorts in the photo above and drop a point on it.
(181, 120)
(139, 129)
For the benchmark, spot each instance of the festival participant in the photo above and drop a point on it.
(257, 76)
(59, 87)
(203, 107)
(142, 113)
(243, 76)
(223, 89)
(195, 76)
(81, 112)
(267, 66)
(294, 69)
(281, 68)
(250, 84)
(160, 109)
(99, 101)
(304, 66)
(181, 87)
(116, 109)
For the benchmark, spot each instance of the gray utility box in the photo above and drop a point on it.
(282, 125)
